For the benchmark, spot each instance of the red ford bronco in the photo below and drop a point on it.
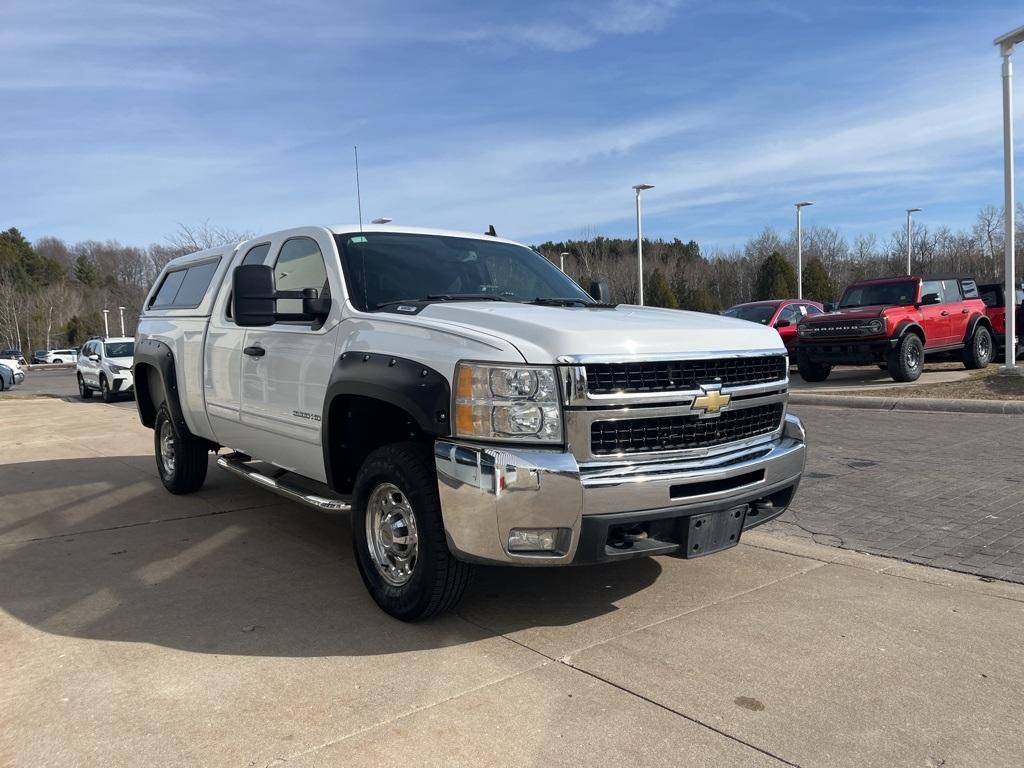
(894, 323)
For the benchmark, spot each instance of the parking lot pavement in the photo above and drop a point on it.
(231, 628)
(861, 377)
(57, 382)
(943, 489)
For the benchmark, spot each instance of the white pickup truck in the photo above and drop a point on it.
(465, 401)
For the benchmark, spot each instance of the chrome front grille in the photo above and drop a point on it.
(682, 432)
(682, 375)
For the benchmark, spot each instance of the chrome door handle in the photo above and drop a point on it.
(944, 313)
(964, 311)
(255, 351)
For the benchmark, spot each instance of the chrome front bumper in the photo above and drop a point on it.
(486, 491)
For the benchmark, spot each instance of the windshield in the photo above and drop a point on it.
(754, 313)
(383, 267)
(899, 294)
(119, 349)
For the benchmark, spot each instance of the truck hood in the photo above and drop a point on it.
(548, 334)
(853, 313)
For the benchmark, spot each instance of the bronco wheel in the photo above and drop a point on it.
(398, 535)
(181, 459)
(83, 391)
(979, 350)
(906, 359)
(810, 370)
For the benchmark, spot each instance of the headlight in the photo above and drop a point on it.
(871, 327)
(507, 402)
(119, 368)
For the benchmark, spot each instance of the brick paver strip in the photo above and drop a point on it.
(942, 489)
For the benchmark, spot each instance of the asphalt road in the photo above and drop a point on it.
(230, 628)
(58, 382)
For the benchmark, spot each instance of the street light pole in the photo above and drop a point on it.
(1006, 43)
(121, 310)
(640, 242)
(561, 260)
(909, 236)
(106, 326)
(800, 251)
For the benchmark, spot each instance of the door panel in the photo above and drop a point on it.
(935, 317)
(959, 315)
(284, 385)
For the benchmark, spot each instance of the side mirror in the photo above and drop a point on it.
(600, 292)
(831, 306)
(783, 324)
(252, 288)
(94, 358)
(930, 298)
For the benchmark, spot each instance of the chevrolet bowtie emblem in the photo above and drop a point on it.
(712, 401)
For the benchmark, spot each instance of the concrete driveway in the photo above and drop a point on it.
(229, 628)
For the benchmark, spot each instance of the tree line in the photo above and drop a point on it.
(679, 275)
(52, 293)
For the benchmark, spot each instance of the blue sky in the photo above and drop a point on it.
(123, 117)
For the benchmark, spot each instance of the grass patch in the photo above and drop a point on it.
(982, 385)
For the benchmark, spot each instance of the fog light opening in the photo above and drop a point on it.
(546, 540)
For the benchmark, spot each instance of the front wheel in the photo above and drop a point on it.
(979, 350)
(398, 535)
(83, 391)
(181, 459)
(105, 391)
(810, 370)
(906, 359)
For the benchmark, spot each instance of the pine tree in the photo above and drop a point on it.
(85, 271)
(817, 284)
(776, 279)
(659, 293)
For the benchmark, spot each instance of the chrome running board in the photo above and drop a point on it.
(326, 501)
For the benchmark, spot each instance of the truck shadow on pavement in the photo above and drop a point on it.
(95, 548)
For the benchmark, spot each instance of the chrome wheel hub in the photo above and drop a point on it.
(391, 534)
(167, 447)
(913, 357)
(984, 346)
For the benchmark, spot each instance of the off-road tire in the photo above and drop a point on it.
(902, 357)
(187, 473)
(810, 370)
(437, 580)
(83, 389)
(106, 392)
(979, 350)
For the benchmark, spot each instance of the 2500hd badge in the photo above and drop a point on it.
(464, 402)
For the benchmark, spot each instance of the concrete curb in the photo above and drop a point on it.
(932, 405)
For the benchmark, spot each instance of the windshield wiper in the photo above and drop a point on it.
(568, 301)
(445, 297)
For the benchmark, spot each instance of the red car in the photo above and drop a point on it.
(781, 314)
(995, 307)
(894, 323)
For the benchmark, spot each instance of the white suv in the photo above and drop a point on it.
(105, 364)
(59, 356)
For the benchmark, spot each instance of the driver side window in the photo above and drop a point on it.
(931, 286)
(300, 265)
(790, 313)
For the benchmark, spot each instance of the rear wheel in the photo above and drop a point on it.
(83, 391)
(979, 350)
(906, 359)
(58, 362)
(398, 535)
(810, 370)
(181, 459)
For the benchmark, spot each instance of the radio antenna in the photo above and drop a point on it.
(359, 197)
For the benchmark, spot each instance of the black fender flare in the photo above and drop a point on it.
(972, 326)
(160, 357)
(905, 327)
(417, 389)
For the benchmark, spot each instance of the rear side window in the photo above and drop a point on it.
(970, 289)
(186, 287)
(951, 292)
